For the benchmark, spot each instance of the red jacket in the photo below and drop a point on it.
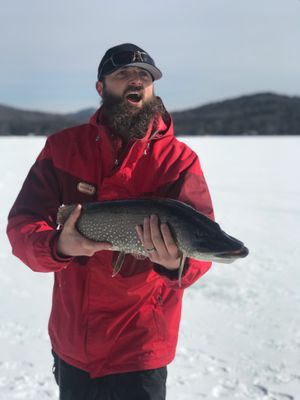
(101, 324)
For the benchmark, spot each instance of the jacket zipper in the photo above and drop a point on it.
(118, 161)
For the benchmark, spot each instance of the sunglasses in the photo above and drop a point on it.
(127, 57)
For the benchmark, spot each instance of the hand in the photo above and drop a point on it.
(71, 243)
(159, 243)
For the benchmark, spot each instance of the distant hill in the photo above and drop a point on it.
(258, 114)
(14, 121)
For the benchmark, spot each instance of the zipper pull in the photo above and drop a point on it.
(146, 149)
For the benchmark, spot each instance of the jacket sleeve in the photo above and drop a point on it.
(32, 220)
(190, 188)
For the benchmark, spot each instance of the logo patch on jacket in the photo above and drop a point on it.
(86, 188)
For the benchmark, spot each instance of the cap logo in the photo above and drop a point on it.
(86, 188)
(137, 56)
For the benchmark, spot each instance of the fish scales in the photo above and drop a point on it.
(115, 222)
(196, 235)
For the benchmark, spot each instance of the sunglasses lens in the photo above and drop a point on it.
(120, 59)
(128, 57)
(123, 58)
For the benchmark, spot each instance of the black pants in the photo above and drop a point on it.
(75, 384)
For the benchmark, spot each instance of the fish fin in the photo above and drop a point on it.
(181, 266)
(63, 213)
(117, 265)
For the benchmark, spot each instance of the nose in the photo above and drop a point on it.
(135, 78)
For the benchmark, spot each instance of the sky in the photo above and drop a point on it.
(208, 50)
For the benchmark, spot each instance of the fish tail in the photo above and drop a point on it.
(64, 213)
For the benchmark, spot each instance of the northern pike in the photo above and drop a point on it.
(114, 221)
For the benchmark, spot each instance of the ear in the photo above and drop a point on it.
(99, 87)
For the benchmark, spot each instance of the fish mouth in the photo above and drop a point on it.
(233, 255)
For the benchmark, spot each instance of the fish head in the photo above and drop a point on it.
(227, 249)
(208, 242)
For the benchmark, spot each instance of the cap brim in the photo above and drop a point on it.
(155, 72)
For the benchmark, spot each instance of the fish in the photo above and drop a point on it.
(114, 221)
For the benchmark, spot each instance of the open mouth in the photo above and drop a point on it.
(134, 98)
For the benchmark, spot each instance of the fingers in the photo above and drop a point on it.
(72, 243)
(169, 242)
(153, 235)
(158, 241)
(148, 243)
(140, 233)
(75, 214)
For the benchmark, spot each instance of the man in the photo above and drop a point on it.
(111, 337)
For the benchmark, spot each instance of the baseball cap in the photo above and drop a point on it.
(124, 55)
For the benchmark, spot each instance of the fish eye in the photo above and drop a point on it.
(200, 234)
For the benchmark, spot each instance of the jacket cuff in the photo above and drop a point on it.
(172, 275)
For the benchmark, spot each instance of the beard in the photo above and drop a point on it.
(126, 120)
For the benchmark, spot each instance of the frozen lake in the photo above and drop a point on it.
(240, 336)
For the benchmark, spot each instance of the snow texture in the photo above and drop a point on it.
(239, 336)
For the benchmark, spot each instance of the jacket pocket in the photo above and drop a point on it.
(160, 319)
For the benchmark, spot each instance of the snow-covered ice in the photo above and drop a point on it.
(240, 330)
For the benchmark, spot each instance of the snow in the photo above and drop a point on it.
(239, 336)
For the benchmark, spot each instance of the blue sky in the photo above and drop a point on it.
(208, 50)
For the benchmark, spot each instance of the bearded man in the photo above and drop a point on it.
(112, 337)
